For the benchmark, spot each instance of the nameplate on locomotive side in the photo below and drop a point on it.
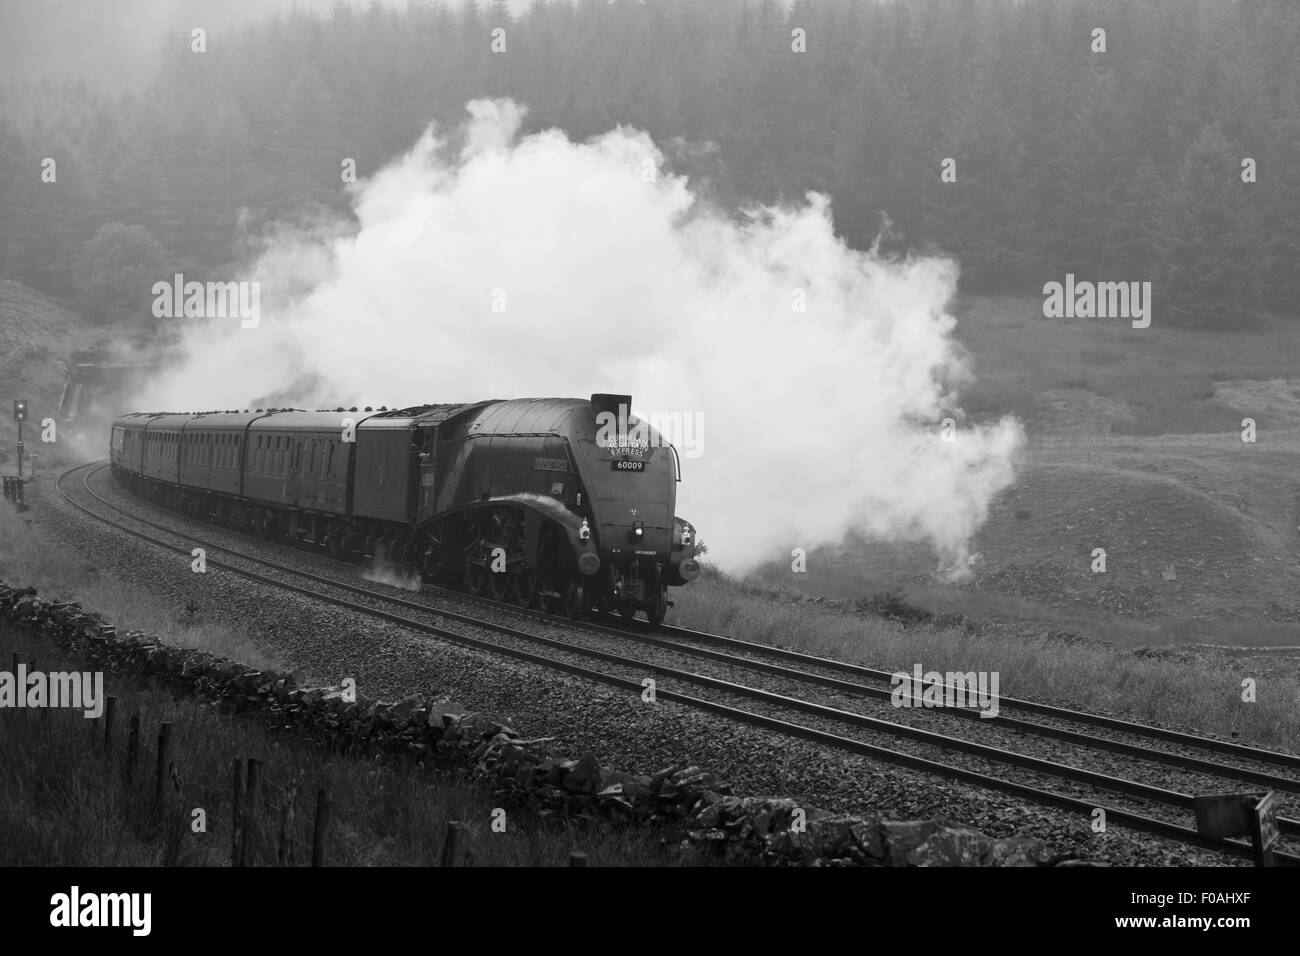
(550, 464)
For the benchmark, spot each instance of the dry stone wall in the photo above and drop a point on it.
(714, 824)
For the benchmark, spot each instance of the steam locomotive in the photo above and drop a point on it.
(525, 500)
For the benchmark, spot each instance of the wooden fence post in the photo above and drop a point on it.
(236, 805)
(132, 747)
(164, 762)
(31, 667)
(324, 800)
(15, 673)
(248, 842)
(110, 709)
(174, 819)
(285, 855)
(455, 846)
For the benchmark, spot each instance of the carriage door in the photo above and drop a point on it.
(295, 471)
(427, 456)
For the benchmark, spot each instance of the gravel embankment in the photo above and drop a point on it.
(389, 661)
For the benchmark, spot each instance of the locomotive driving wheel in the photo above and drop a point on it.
(575, 599)
(524, 585)
(655, 615)
(498, 583)
(476, 573)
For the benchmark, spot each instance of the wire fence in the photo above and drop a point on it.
(272, 822)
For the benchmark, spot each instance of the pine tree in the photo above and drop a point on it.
(1206, 238)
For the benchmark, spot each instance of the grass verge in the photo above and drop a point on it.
(1171, 687)
(65, 801)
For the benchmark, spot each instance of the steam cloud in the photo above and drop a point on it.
(813, 421)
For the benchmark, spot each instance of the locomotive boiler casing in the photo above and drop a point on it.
(543, 454)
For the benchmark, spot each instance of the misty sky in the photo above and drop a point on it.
(112, 42)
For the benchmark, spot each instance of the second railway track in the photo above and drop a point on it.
(818, 721)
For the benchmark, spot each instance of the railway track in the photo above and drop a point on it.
(815, 721)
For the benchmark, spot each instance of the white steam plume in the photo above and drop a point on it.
(814, 421)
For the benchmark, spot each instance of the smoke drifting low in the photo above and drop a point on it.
(614, 277)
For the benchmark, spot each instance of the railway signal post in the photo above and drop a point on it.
(20, 416)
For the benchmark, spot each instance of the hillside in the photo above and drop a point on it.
(36, 334)
(1135, 447)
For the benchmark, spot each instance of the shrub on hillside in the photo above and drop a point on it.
(116, 273)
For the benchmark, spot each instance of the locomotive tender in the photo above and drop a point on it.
(523, 500)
